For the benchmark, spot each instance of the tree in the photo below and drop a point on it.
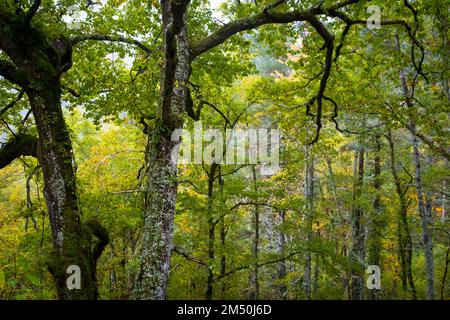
(36, 64)
(179, 53)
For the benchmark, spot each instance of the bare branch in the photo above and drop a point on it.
(259, 265)
(188, 257)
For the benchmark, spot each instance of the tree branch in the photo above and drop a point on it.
(188, 257)
(259, 265)
(248, 23)
(21, 145)
(32, 11)
(13, 103)
(101, 233)
(11, 73)
(98, 37)
(434, 147)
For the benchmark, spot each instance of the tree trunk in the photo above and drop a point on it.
(426, 219)
(404, 235)
(158, 223)
(223, 235)
(254, 276)
(38, 63)
(315, 283)
(211, 231)
(161, 191)
(376, 231)
(357, 252)
(444, 276)
(424, 215)
(281, 250)
(309, 197)
(71, 246)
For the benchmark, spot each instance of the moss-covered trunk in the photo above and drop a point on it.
(38, 61)
(158, 224)
(161, 188)
(71, 244)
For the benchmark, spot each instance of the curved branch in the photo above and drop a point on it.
(436, 148)
(234, 27)
(101, 233)
(13, 103)
(188, 257)
(266, 17)
(11, 73)
(21, 145)
(98, 37)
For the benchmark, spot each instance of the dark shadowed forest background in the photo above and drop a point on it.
(91, 92)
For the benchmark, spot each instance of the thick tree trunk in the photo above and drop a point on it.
(161, 191)
(38, 63)
(71, 244)
(158, 224)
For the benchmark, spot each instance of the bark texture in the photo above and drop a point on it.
(38, 61)
(161, 188)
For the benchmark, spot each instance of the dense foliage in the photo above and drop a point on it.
(364, 172)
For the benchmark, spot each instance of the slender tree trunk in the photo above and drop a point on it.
(254, 277)
(425, 216)
(444, 276)
(357, 252)
(309, 196)
(405, 242)
(376, 231)
(315, 283)
(444, 202)
(281, 251)
(211, 231)
(223, 235)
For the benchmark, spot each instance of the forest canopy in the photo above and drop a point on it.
(236, 149)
